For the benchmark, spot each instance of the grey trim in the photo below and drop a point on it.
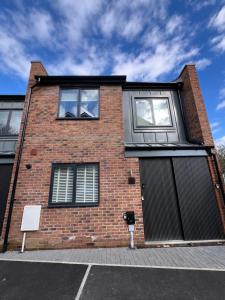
(4, 161)
(164, 153)
(11, 105)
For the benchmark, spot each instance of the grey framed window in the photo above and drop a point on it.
(152, 112)
(74, 185)
(79, 103)
(10, 122)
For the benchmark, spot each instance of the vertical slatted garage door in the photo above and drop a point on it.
(5, 176)
(179, 201)
(199, 212)
(160, 209)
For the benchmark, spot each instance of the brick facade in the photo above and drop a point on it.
(48, 140)
(194, 109)
(63, 141)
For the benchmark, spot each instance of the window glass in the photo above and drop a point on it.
(161, 112)
(15, 120)
(62, 191)
(87, 184)
(153, 112)
(68, 103)
(86, 189)
(144, 112)
(4, 115)
(89, 104)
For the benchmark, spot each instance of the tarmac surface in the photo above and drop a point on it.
(21, 280)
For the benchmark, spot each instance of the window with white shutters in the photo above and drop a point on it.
(74, 185)
(62, 191)
(87, 184)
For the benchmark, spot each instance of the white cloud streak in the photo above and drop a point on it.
(217, 22)
(220, 141)
(137, 38)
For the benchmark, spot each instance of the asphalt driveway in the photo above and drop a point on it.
(37, 280)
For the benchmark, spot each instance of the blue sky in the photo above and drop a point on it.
(147, 40)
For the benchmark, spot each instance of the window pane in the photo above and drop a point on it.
(15, 120)
(62, 191)
(89, 103)
(144, 112)
(68, 103)
(4, 114)
(161, 112)
(87, 184)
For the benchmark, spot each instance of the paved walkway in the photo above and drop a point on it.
(207, 257)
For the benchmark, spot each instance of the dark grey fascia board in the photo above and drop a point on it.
(153, 85)
(12, 98)
(81, 80)
(165, 153)
(134, 147)
(105, 80)
(6, 160)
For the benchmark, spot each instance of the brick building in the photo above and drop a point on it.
(93, 147)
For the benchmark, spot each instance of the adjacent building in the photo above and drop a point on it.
(94, 147)
(11, 108)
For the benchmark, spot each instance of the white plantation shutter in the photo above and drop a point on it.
(62, 185)
(87, 184)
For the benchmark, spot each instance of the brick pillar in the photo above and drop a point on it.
(36, 69)
(194, 109)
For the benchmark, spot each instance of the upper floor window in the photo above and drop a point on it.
(152, 112)
(79, 103)
(10, 121)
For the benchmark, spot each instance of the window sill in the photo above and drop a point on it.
(79, 119)
(61, 205)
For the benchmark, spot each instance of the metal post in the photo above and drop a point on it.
(23, 243)
(131, 240)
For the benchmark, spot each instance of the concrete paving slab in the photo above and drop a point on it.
(212, 257)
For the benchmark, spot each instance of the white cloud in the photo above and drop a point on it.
(76, 18)
(214, 124)
(217, 22)
(93, 63)
(220, 141)
(203, 63)
(215, 127)
(198, 5)
(29, 24)
(13, 56)
(174, 24)
(221, 105)
(126, 19)
(149, 66)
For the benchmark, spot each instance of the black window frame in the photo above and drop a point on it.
(153, 128)
(78, 102)
(11, 110)
(73, 203)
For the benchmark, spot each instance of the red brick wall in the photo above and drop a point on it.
(65, 141)
(194, 109)
(217, 188)
(197, 123)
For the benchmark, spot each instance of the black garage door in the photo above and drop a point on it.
(178, 200)
(5, 176)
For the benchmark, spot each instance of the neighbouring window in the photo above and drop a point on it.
(79, 103)
(74, 185)
(10, 122)
(152, 112)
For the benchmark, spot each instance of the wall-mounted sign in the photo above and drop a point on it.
(31, 218)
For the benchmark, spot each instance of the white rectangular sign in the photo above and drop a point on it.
(31, 218)
(130, 228)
